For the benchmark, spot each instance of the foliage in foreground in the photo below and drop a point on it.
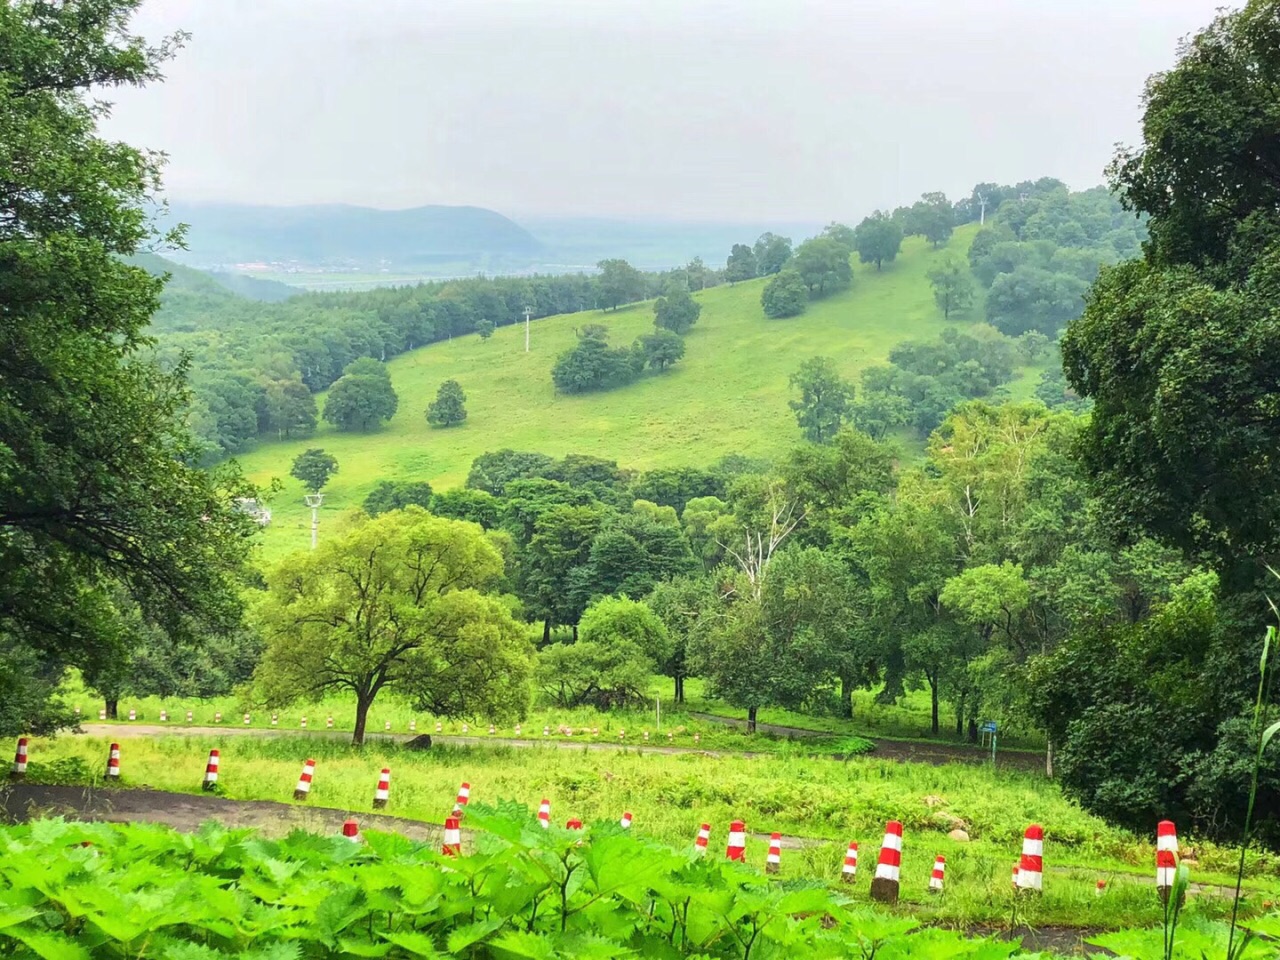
(78, 890)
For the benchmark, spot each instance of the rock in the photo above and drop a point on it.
(933, 801)
(420, 742)
(958, 835)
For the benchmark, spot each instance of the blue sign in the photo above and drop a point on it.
(988, 726)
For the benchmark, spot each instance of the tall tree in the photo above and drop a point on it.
(878, 238)
(400, 602)
(362, 399)
(825, 396)
(932, 217)
(823, 265)
(390, 495)
(618, 282)
(952, 288)
(448, 409)
(98, 483)
(772, 253)
(741, 264)
(314, 467)
(661, 349)
(677, 311)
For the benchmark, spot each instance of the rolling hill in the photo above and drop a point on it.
(221, 234)
(729, 394)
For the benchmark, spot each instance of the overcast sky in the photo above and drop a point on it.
(685, 109)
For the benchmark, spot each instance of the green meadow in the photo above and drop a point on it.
(728, 395)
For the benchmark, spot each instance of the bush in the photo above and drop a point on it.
(594, 365)
(604, 675)
(785, 296)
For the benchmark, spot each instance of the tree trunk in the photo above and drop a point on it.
(546, 631)
(1048, 759)
(363, 703)
(751, 719)
(679, 688)
(933, 697)
(960, 718)
(973, 729)
(846, 697)
(575, 633)
(112, 708)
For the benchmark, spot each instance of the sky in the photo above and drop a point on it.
(700, 110)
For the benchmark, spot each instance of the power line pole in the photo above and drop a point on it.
(313, 501)
(982, 215)
(528, 312)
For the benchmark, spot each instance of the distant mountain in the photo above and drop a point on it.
(220, 235)
(191, 295)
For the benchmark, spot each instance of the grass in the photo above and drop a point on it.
(729, 394)
(828, 802)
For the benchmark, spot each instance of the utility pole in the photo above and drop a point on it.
(528, 312)
(982, 215)
(313, 501)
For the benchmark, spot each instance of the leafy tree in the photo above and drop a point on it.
(932, 217)
(1177, 350)
(361, 401)
(786, 295)
(99, 484)
(676, 486)
(661, 349)
(1031, 298)
(677, 311)
(772, 253)
(679, 603)
(449, 407)
(314, 467)
(878, 239)
(287, 409)
(841, 234)
(594, 673)
(952, 288)
(823, 264)
(618, 282)
(620, 620)
(391, 495)
(709, 523)
(485, 329)
(474, 506)
(491, 472)
(634, 551)
(824, 399)
(594, 365)
(554, 572)
(741, 264)
(399, 602)
(830, 480)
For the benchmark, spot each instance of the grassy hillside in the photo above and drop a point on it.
(729, 394)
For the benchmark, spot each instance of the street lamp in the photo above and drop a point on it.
(313, 500)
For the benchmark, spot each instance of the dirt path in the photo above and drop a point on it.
(908, 750)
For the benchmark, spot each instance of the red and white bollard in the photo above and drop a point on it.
(247, 719)
(1166, 857)
(935, 879)
(885, 884)
(773, 862)
(1015, 878)
(465, 729)
(1031, 866)
(736, 847)
(275, 719)
(413, 726)
(625, 822)
(351, 830)
(113, 762)
(697, 738)
(544, 814)
(20, 760)
(189, 715)
(492, 729)
(328, 722)
(546, 731)
(302, 722)
(646, 736)
(303, 789)
(387, 726)
(133, 714)
(164, 716)
(452, 838)
(439, 726)
(464, 795)
(211, 771)
(849, 872)
(77, 710)
(102, 714)
(704, 837)
(517, 729)
(217, 718)
(383, 793)
(622, 734)
(573, 824)
(1100, 889)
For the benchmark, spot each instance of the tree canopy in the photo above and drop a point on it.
(314, 467)
(448, 409)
